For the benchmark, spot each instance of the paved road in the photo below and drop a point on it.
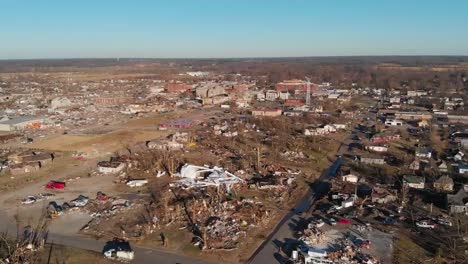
(268, 251)
(284, 231)
(142, 255)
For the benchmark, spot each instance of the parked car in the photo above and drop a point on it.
(364, 243)
(101, 196)
(445, 222)
(344, 221)
(29, 200)
(118, 249)
(80, 201)
(389, 221)
(425, 224)
(55, 185)
(332, 221)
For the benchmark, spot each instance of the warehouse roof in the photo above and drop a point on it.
(19, 120)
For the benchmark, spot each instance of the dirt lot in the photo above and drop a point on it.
(97, 145)
(122, 135)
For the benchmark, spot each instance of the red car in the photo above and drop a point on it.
(55, 185)
(364, 244)
(101, 196)
(344, 221)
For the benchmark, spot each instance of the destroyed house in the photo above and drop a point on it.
(178, 87)
(177, 124)
(269, 181)
(193, 176)
(41, 158)
(372, 160)
(382, 195)
(267, 112)
(458, 203)
(377, 148)
(444, 184)
(24, 168)
(381, 138)
(108, 167)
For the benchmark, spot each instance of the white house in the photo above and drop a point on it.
(424, 153)
(350, 178)
(271, 95)
(284, 95)
(394, 122)
(377, 148)
(327, 129)
(260, 96)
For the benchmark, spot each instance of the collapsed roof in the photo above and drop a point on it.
(201, 177)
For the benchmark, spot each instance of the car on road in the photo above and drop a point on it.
(389, 220)
(344, 221)
(118, 249)
(332, 221)
(425, 224)
(445, 222)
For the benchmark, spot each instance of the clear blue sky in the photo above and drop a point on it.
(231, 28)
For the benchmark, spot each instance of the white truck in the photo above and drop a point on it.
(119, 250)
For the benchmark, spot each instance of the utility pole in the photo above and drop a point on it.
(258, 157)
(308, 91)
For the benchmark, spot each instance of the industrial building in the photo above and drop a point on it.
(21, 123)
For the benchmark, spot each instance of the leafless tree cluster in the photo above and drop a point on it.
(26, 246)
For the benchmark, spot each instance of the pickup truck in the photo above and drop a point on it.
(55, 185)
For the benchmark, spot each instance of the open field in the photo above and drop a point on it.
(96, 145)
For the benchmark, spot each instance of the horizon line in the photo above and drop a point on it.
(225, 58)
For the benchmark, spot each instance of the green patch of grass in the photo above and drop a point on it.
(61, 254)
(190, 249)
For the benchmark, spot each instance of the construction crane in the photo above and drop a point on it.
(308, 91)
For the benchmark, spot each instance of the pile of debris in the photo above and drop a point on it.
(193, 176)
(293, 155)
(223, 233)
(312, 235)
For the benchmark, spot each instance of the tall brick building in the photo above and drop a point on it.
(294, 85)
